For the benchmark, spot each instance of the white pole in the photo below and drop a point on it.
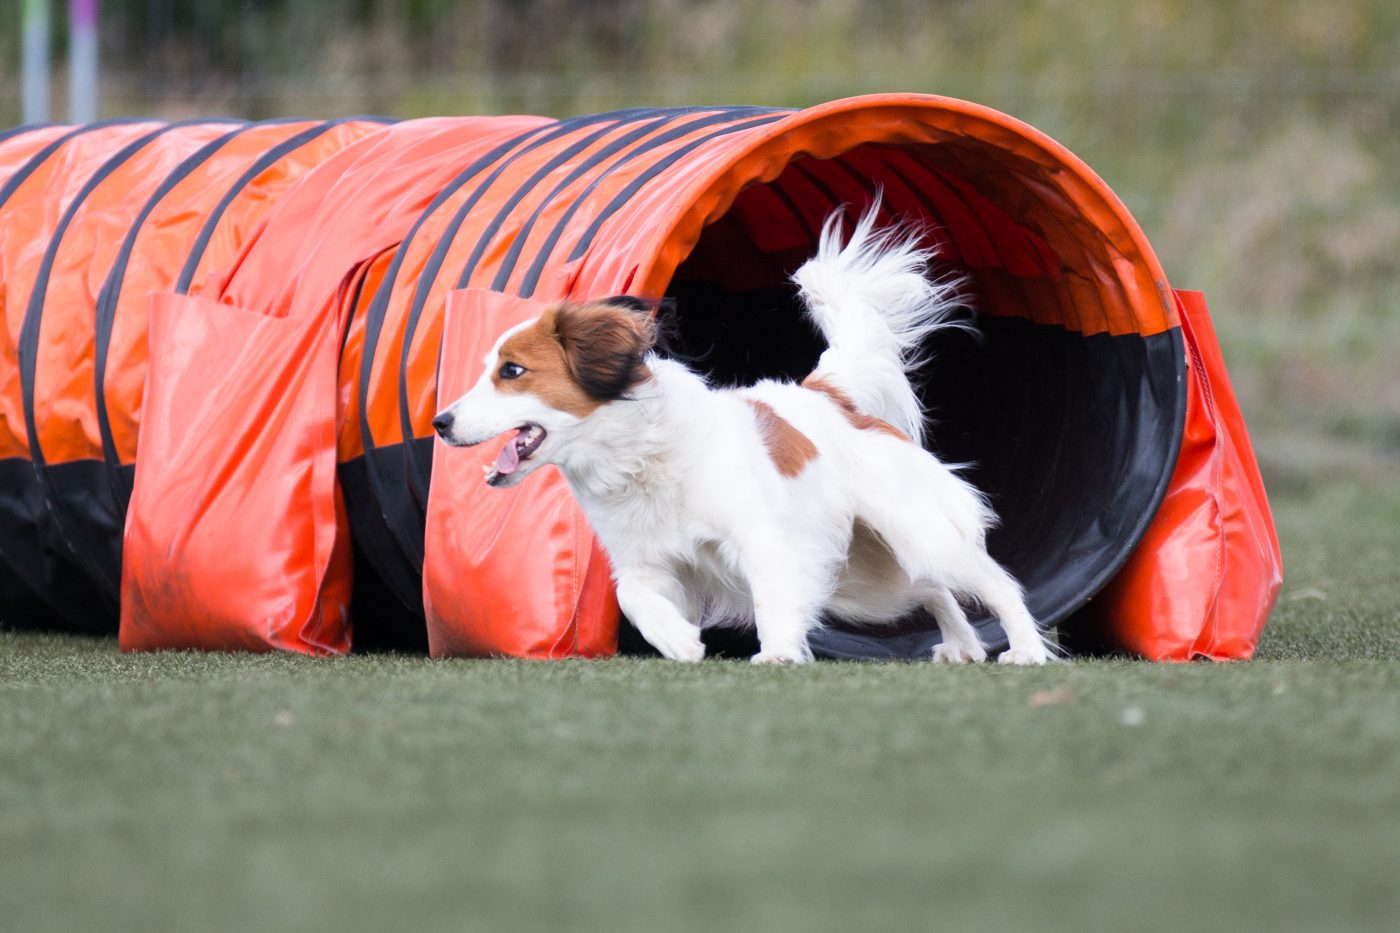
(82, 61)
(34, 65)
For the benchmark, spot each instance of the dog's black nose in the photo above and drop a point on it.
(443, 423)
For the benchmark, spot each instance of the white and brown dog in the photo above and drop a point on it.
(768, 505)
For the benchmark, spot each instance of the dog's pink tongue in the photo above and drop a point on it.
(509, 459)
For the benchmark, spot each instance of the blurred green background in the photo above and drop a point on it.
(1255, 141)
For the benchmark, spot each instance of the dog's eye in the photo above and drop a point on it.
(512, 371)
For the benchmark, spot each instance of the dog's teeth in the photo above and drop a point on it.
(486, 468)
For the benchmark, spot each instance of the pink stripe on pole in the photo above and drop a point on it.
(82, 61)
(83, 12)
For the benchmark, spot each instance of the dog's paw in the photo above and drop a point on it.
(959, 653)
(1034, 654)
(780, 657)
(680, 646)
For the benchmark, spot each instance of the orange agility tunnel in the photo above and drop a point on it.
(217, 405)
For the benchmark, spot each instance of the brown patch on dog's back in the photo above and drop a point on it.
(857, 418)
(578, 356)
(788, 448)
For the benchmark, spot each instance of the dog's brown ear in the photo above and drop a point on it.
(660, 311)
(605, 347)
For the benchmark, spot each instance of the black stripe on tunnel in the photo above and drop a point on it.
(626, 194)
(14, 131)
(532, 275)
(517, 246)
(107, 299)
(398, 572)
(266, 161)
(39, 158)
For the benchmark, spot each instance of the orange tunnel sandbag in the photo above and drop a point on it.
(195, 226)
(1203, 579)
(563, 603)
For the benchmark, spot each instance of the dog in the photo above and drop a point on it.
(769, 505)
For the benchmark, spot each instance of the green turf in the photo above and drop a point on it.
(203, 792)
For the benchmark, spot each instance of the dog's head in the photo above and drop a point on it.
(544, 377)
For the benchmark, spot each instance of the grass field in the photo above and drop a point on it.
(207, 792)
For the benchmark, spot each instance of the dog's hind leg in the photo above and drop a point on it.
(961, 643)
(649, 601)
(935, 549)
(985, 579)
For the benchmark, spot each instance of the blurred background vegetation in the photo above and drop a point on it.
(1256, 141)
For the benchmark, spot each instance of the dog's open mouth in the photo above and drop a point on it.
(527, 440)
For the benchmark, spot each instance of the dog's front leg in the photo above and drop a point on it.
(786, 597)
(649, 601)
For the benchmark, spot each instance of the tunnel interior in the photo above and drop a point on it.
(1071, 430)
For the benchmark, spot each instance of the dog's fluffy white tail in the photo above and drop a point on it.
(874, 303)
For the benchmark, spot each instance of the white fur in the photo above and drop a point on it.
(704, 530)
